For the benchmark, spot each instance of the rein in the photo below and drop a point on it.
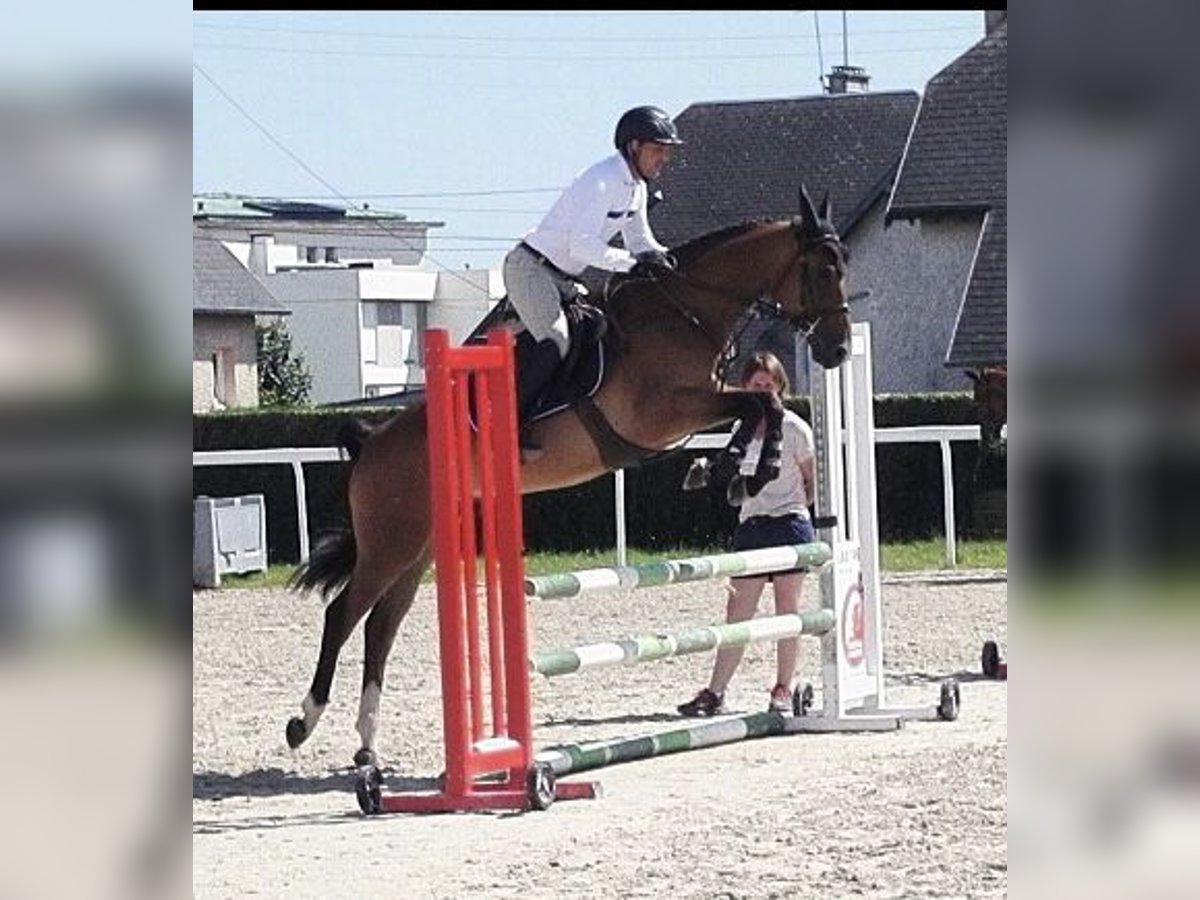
(758, 308)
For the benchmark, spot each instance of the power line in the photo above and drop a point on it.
(820, 55)
(213, 239)
(305, 166)
(575, 39)
(508, 57)
(436, 194)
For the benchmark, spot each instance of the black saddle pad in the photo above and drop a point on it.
(579, 375)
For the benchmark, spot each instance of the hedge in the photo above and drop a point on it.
(659, 516)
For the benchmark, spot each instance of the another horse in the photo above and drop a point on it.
(991, 401)
(671, 337)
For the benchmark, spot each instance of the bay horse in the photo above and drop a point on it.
(671, 337)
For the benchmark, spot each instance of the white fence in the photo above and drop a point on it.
(296, 457)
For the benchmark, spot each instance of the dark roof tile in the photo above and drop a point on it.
(981, 336)
(222, 285)
(957, 156)
(745, 160)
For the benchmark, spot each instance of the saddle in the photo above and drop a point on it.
(581, 373)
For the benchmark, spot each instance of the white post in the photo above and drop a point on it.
(948, 502)
(301, 508)
(619, 501)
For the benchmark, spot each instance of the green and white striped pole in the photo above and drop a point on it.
(699, 568)
(646, 647)
(596, 754)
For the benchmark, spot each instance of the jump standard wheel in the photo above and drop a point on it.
(540, 786)
(951, 700)
(368, 787)
(802, 699)
(990, 661)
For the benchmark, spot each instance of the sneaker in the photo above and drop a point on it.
(781, 699)
(705, 703)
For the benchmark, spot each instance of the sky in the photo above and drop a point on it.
(477, 119)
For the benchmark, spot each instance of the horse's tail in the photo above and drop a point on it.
(329, 566)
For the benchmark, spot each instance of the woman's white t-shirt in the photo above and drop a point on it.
(785, 495)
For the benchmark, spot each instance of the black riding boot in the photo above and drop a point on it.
(536, 364)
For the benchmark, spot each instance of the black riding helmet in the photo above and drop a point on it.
(645, 123)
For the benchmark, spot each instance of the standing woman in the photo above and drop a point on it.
(777, 516)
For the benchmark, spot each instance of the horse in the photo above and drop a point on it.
(670, 337)
(991, 400)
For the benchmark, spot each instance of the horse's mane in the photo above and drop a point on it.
(620, 302)
(692, 250)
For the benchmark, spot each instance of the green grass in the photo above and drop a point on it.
(922, 556)
(914, 556)
(274, 576)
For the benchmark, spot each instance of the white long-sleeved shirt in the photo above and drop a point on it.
(603, 200)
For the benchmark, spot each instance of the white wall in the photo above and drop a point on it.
(231, 337)
(402, 243)
(917, 274)
(463, 298)
(325, 330)
(327, 313)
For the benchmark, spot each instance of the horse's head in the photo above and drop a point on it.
(816, 303)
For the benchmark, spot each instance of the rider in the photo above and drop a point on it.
(542, 270)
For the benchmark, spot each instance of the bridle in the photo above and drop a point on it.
(825, 237)
(760, 306)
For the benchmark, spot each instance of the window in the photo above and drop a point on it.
(393, 333)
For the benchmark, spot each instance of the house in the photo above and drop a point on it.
(953, 186)
(226, 300)
(354, 284)
(746, 160)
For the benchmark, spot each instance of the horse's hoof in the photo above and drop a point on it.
(297, 732)
(697, 475)
(736, 493)
(365, 757)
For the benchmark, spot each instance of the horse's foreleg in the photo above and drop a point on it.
(749, 407)
(769, 461)
(379, 634)
(742, 487)
(340, 618)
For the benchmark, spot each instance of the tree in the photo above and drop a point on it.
(283, 378)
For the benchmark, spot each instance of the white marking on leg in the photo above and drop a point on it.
(368, 715)
(312, 712)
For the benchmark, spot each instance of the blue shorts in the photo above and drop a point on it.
(759, 532)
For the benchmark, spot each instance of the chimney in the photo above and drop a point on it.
(260, 254)
(847, 80)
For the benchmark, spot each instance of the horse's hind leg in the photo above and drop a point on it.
(341, 616)
(380, 634)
